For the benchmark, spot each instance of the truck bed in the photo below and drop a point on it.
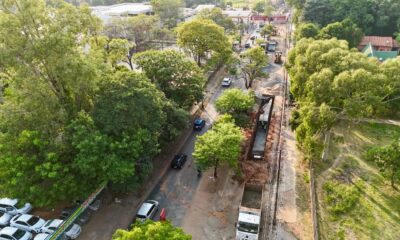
(252, 196)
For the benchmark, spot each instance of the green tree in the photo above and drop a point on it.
(387, 159)
(202, 36)
(49, 81)
(259, 6)
(219, 145)
(151, 230)
(306, 30)
(345, 30)
(267, 30)
(253, 62)
(169, 11)
(179, 78)
(235, 102)
(219, 18)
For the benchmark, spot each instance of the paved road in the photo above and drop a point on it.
(176, 190)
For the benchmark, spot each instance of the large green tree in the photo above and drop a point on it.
(219, 145)
(218, 17)
(253, 61)
(306, 30)
(169, 11)
(329, 81)
(152, 231)
(49, 80)
(178, 77)
(345, 30)
(202, 36)
(237, 103)
(387, 158)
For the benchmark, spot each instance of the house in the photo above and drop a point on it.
(379, 43)
(370, 51)
(106, 13)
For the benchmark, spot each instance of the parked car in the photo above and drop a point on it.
(41, 236)
(247, 45)
(5, 218)
(11, 206)
(147, 210)
(179, 161)
(226, 82)
(12, 233)
(27, 222)
(68, 211)
(72, 232)
(199, 124)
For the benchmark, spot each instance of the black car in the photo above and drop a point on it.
(199, 124)
(68, 211)
(247, 45)
(179, 161)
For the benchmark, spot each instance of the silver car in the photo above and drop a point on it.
(72, 232)
(147, 210)
(10, 206)
(226, 82)
(41, 236)
(5, 218)
(27, 222)
(12, 233)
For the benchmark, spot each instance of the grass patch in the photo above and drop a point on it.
(355, 201)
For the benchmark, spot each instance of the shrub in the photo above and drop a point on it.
(340, 197)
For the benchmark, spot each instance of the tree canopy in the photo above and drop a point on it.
(219, 145)
(306, 30)
(202, 36)
(216, 15)
(179, 78)
(330, 81)
(253, 61)
(345, 30)
(169, 11)
(152, 231)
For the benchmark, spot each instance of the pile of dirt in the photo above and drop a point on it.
(254, 171)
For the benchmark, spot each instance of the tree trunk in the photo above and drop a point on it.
(215, 169)
(198, 61)
(392, 180)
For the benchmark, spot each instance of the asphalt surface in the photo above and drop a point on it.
(176, 190)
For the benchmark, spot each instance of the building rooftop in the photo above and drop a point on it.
(378, 41)
(370, 51)
(203, 6)
(238, 13)
(123, 9)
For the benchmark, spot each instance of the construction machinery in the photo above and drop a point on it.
(278, 57)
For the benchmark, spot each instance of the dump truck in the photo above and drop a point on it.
(262, 127)
(249, 220)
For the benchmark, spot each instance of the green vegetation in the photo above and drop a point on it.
(236, 103)
(329, 81)
(72, 118)
(152, 231)
(201, 36)
(253, 61)
(356, 200)
(375, 17)
(169, 11)
(179, 78)
(219, 145)
(219, 18)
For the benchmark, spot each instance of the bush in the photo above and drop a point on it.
(340, 197)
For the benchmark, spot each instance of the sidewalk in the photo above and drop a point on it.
(112, 216)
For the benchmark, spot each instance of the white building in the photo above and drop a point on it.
(105, 13)
(201, 7)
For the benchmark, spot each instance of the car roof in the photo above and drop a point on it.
(144, 209)
(198, 121)
(41, 236)
(9, 201)
(8, 230)
(24, 217)
(54, 223)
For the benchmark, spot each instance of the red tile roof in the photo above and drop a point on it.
(378, 41)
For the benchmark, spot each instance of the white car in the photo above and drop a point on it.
(41, 236)
(12, 233)
(147, 210)
(226, 82)
(72, 232)
(27, 222)
(9, 206)
(5, 218)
